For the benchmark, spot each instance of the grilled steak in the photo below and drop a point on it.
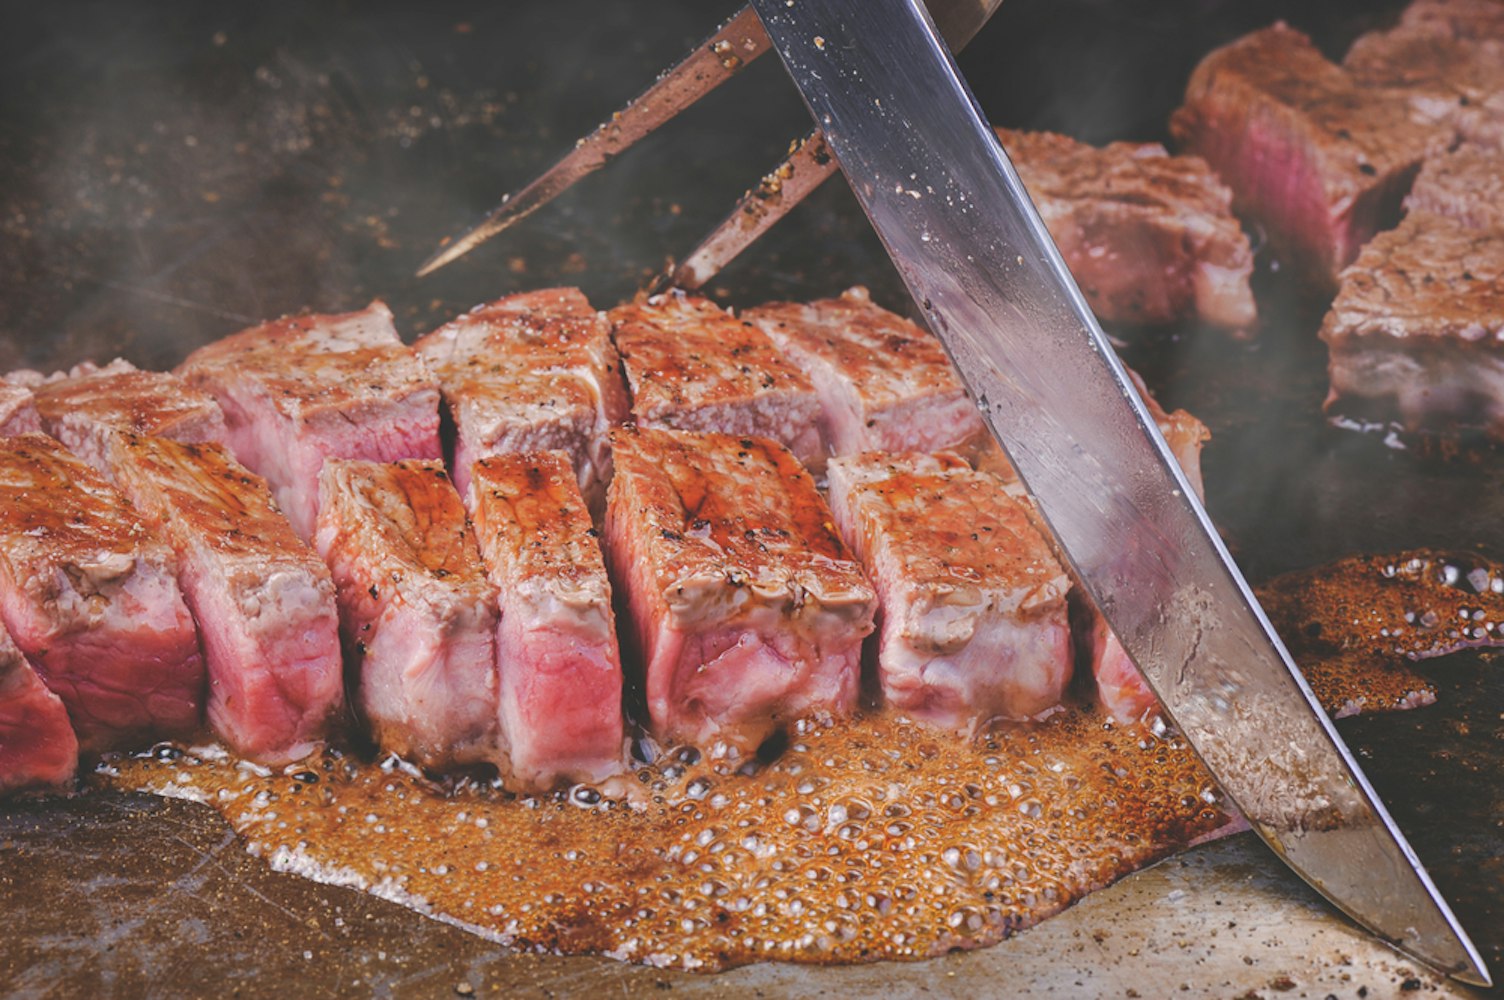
(693, 367)
(37, 745)
(747, 608)
(418, 615)
(559, 668)
(92, 600)
(1417, 331)
(1316, 159)
(299, 390)
(263, 600)
(884, 384)
(1149, 237)
(84, 411)
(974, 620)
(18, 412)
(1466, 184)
(1456, 19)
(531, 372)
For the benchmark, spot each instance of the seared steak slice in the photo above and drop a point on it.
(91, 598)
(1417, 332)
(884, 383)
(1466, 184)
(1474, 20)
(263, 600)
(37, 745)
(84, 411)
(18, 412)
(748, 609)
(974, 619)
(418, 616)
(558, 664)
(1149, 237)
(299, 390)
(1316, 159)
(693, 367)
(531, 372)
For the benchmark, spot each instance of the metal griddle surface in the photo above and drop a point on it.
(170, 175)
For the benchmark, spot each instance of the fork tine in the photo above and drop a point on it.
(711, 63)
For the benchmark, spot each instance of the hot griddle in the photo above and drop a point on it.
(171, 174)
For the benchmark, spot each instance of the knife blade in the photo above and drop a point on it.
(972, 250)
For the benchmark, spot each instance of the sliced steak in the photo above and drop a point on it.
(694, 367)
(1466, 184)
(531, 372)
(419, 617)
(1416, 333)
(37, 745)
(748, 610)
(974, 618)
(884, 384)
(18, 412)
(91, 598)
(1474, 20)
(263, 600)
(84, 411)
(1149, 237)
(299, 390)
(1317, 160)
(559, 668)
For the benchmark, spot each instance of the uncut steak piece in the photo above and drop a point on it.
(558, 666)
(91, 598)
(747, 608)
(302, 389)
(1317, 160)
(531, 372)
(84, 411)
(1149, 237)
(974, 619)
(418, 616)
(884, 383)
(37, 745)
(263, 600)
(1416, 333)
(692, 366)
(18, 412)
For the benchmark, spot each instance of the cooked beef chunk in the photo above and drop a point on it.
(18, 412)
(37, 745)
(1466, 184)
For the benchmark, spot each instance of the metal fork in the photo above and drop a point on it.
(708, 65)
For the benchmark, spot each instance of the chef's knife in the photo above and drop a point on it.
(941, 194)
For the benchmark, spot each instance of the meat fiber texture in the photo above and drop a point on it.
(692, 366)
(748, 611)
(884, 384)
(18, 412)
(1466, 184)
(558, 664)
(1149, 237)
(263, 600)
(83, 411)
(303, 389)
(1316, 159)
(91, 598)
(531, 372)
(37, 747)
(974, 619)
(1447, 58)
(419, 617)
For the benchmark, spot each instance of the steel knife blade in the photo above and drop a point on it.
(942, 196)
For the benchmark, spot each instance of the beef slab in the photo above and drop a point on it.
(531, 372)
(1149, 237)
(558, 665)
(37, 745)
(419, 617)
(1466, 184)
(299, 390)
(748, 609)
(692, 366)
(1317, 160)
(92, 599)
(84, 411)
(884, 384)
(263, 600)
(974, 618)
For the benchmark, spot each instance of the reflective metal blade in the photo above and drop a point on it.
(941, 194)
